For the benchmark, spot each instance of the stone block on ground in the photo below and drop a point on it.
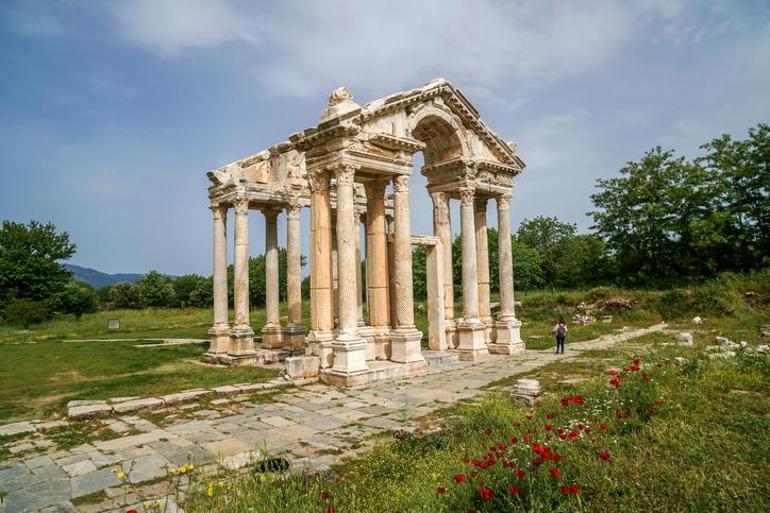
(88, 411)
(684, 339)
(145, 403)
(16, 428)
(185, 397)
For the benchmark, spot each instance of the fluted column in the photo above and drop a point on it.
(482, 262)
(349, 347)
(405, 341)
(242, 334)
(472, 332)
(508, 336)
(220, 331)
(321, 299)
(294, 332)
(377, 298)
(442, 228)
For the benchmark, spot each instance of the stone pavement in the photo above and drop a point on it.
(316, 425)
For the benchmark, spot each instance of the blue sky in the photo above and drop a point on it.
(112, 112)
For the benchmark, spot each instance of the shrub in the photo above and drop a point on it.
(25, 312)
(78, 298)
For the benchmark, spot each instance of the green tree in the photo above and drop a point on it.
(25, 312)
(579, 261)
(157, 290)
(125, 295)
(419, 273)
(187, 286)
(546, 235)
(77, 298)
(29, 261)
(527, 267)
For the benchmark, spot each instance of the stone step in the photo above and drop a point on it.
(435, 358)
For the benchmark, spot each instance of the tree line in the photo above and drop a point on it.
(664, 221)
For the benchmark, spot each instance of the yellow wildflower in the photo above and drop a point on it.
(121, 475)
(220, 484)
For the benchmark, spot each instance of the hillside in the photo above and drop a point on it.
(99, 279)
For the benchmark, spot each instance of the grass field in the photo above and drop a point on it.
(670, 438)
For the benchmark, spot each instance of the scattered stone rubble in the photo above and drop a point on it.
(684, 338)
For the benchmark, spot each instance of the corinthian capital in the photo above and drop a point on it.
(241, 206)
(439, 199)
(401, 183)
(504, 201)
(466, 195)
(219, 211)
(345, 173)
(318, 181)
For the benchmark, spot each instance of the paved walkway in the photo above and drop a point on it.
(312, 426)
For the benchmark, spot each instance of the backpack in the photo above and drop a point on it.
(561, 330)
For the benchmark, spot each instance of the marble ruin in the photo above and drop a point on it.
(344, 170)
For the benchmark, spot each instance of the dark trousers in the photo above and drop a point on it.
(560, 344)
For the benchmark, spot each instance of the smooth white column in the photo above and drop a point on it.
(508, 336)
(294, 332)
(220, 331)
(271, 332)
(349, 347)
(405, 340)
(472, 332)
(242, 334)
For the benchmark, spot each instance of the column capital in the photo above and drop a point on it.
(241, 206)
(219, 211)
(293, 210)
(344, 174)
(375, 188)
(467, 195)
(401, 183)
(440, 199)
(504, 201)
(481, 203)
(318, 180)
(271, 213)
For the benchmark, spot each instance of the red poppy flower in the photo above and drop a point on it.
(526, 438)
(565, 490)
(520, 473)
(646, 376)
(573, 488)
(460, 478)
(651, 410)
(573, 435)
(615, 382)
(604, 428)
(619, 414)
(659, 402)
(517, 424)
(549, 427)
(324, 495)
(549, 416)
(555, 472)
(329, 509)
(605, 454)
(131, 511)
(634, 368)
(513, 440)
(485, 493)
(464, 458)
(515, 490)
(587, 431)
(487, 431)
(613, 372)
(440, 490)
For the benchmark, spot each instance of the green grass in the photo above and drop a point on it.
(702, 449)
(40, 378)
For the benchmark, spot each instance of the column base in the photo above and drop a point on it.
(272, 336)
(508, 331)
(242, 341)
(473, 340)
(319, 343)
(405, 345)
(452, 337)
(367, 333)
(490, 334)
(219, 336)
(294, 340)
(382, 346)
(349, 355)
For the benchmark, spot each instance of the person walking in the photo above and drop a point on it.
(560, 330)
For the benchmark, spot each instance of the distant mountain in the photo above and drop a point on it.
(99, 279)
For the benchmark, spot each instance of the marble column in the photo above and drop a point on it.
(405, 339)
(271, 332)
(389, 225)
(349, 347)
(321, 295)
(508, 327)
(482, 262)
(442, 229)
(220, 332)
(377, 277)
(293, 333)
(359, 274)
(472, 332)
(242, 334)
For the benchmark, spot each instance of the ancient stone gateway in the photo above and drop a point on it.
(342, 170)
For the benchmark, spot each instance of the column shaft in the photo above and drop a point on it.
(293, 266)
(321, 309)
(505, 257)
(346, 255)
(482, 260)
(377, 256)
(243, 335)
(220, 331)
(271, 332)
(442, 228)
(470, 268)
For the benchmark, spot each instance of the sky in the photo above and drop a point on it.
(112, 112)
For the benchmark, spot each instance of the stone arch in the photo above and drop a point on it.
(442, 133)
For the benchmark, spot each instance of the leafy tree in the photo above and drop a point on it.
(157, 290)
(419, 273)
(527, 267)
(257, 269)
(125, 295)
(25, 312)
(78, 298)
(29, 256)
(188, 285)
(579, 261)
(546, 235)
(202, 296)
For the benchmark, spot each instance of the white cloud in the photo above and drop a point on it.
(168, 27)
